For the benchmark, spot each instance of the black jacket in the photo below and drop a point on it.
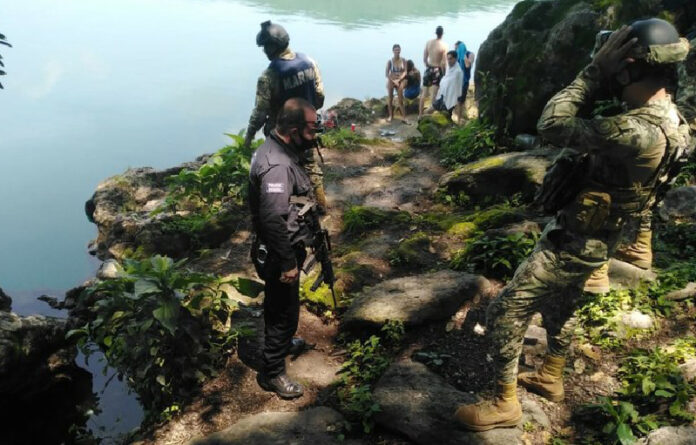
(276, 174)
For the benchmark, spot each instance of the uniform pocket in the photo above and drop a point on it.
(588, 212)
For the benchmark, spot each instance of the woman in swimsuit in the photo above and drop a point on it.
(396, 80)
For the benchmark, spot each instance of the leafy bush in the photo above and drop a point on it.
(468, 143)
(366, 363)
(653, 393)
(678, 240)
(162, 327)
(495, 256)
(687, 175)
(224, 175)
(652, 379)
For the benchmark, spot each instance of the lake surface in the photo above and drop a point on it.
(95, 87)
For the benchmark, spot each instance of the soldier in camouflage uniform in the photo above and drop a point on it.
(628, 154)
(636, 245)
(288, 75)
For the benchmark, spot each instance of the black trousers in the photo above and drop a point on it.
(281, 313)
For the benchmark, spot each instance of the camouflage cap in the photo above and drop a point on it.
(661, 54)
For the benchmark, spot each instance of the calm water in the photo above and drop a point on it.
(95, 87)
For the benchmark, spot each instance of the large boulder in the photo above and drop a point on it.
(499, 177)
(414, 300)
(420, 404)
(42, 390)
(352, 111)
(542, 45)
(126, 210)
(319, 425)
(671, 435)
(679, 205)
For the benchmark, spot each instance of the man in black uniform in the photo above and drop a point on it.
(275, 178)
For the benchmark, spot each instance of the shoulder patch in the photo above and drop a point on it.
(275, 187)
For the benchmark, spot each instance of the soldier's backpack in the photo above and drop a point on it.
(563, 180)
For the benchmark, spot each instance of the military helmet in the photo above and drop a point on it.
(272, 34)
(658, 42)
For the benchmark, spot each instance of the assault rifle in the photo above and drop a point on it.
(321, 246)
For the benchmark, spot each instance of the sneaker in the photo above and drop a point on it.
(281, 385)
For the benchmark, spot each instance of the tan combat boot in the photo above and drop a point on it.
(546, 381)
(598, 283)
(503, 411)
(639, 253)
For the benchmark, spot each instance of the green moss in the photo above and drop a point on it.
(358, 219)
(431, 128)
(496, 216)
(411, 251)
(493, 161)
(462, 230)
(320, 296)
(400, 168)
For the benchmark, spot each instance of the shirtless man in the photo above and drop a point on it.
(434, 58)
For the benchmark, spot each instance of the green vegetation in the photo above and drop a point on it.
(224, 176)
(495, 256)
(468, 143)
(677, 241)
(366, 363)
(653, 393)
(432, 128)
(162, 327)
(687, 174)
(344, 139)
(411, 251)
(358, 219)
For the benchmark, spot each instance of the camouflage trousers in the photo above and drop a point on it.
(549, 281)
(313, 169)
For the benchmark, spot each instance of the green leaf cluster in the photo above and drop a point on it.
(495, 255)
(224, 176)
(162, 327)
(468, 143)
(366, 363)
(653, 393)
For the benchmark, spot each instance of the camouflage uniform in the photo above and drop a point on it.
(267, 106)
(625, 152)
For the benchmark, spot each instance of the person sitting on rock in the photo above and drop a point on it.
(450, 86)
(413, 80)
(465, 58)
(396, 80)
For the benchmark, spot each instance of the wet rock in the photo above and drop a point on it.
(526, 141)
(319, 425)
(419, 404)
(671, 435)
(679, 205)
(499, 177)
(624, 275)
(5, 301)
(42, 390)
(415, 299)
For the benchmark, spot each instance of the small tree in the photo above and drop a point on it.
(3, 41)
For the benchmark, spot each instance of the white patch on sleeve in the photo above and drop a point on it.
(275, 187)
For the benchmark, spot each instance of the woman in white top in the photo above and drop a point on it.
(396, 80)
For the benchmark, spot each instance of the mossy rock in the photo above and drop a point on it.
(414, 251)
(358, 219)
(432, 127)
(499, 177)
(352, 111)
